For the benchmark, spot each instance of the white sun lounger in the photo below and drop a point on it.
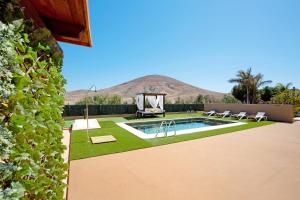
(240, 116)
(259, 116)
(210, 113)
(226, 113)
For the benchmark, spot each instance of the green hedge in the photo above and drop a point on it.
(78, 110)
(31, 104)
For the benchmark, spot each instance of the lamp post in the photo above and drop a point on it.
(87, 111)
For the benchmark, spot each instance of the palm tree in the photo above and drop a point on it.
(249, 81)
(257, 82)
(281, 87)
(244, 78)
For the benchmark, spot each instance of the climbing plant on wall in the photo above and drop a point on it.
(31, 103)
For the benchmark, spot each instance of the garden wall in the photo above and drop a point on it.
(275, 112)
(78, 110)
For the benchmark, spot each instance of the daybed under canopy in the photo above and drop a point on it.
(156, 101)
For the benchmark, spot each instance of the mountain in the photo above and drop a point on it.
(152, 83)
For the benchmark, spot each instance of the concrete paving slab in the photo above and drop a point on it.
(81, 124)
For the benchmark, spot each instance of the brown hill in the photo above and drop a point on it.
(151, 83)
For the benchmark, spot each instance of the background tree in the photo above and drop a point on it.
(257, 82)
(229, 99)
(168, 101)
(189, 100)
(179, 100)
(248, 83)
(101, 99)
(133, 100)
(244, 78)
(280, 87)
(239, 92)
(209, 99)
(199, 99)
(114, 99)
(266, 93)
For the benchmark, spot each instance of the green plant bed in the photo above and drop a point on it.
(126, 141)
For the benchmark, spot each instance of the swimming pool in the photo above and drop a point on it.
(161, 128)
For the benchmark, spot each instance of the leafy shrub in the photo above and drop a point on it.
(8, 65)
(31, 103)
(287, 97)
(297, 108)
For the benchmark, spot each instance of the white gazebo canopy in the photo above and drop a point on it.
(156, 100)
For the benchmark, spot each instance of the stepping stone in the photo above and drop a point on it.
(103, 139)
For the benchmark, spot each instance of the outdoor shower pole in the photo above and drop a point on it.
(87, 112)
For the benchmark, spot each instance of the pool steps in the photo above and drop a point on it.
(166, 127)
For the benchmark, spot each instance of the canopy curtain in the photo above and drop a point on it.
(160, 99)
(153, 101)
(140, 101)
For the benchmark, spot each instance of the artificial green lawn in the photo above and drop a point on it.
(126, 141)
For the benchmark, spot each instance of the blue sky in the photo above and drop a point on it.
(203, 43)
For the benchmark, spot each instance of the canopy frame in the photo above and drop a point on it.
(143, 112)
(151, 94)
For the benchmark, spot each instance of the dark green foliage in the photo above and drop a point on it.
(239, 92)
(199, 99)
(267, 93)
(31, 164)
(282, 94)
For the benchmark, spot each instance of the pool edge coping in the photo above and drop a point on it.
(143, 135)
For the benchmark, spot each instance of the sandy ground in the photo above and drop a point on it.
(261, 164)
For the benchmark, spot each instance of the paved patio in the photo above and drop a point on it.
(261, 163)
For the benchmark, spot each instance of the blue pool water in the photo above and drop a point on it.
(181, 124)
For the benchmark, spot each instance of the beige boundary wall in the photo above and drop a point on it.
(275, 112)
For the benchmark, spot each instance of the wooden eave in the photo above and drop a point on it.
(68, 20)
